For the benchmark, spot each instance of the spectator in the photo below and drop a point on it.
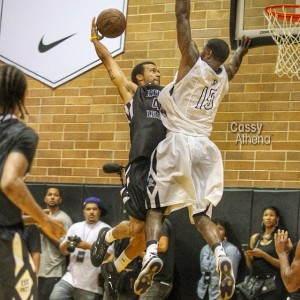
(81, 279)
(163, 282)
(53, 263)
(33, 242)
(290, 271)
(18, 143)
(208, 288)
(262, 259)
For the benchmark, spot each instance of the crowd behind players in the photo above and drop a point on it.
(80, 280)
(59, 280)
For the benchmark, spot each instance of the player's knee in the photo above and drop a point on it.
(137, 227)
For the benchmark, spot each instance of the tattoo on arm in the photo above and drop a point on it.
(111, 74)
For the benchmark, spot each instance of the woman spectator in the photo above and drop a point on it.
(208, 284)
(262, 259)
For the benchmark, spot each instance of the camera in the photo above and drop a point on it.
(74, 240)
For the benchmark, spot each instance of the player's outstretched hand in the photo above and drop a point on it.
(94, 32)
(53, 228)
(283, 243)
(245, 44)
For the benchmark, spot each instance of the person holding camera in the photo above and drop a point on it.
(208, 288)
(81, 279)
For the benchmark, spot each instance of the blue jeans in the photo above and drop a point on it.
(157, 291)
(65, 291)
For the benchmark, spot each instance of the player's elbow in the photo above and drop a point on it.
(8, 185)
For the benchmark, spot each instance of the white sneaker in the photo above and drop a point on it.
(226, 277)
(149, 270)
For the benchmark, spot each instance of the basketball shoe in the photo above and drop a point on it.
(226, 277)
(99, 248)
(111, 280)
(150, 268)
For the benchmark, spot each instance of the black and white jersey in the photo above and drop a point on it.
(14, 137)
(146, 128)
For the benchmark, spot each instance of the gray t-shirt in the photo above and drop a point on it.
(53, 263)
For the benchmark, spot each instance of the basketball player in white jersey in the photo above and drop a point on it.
(187, 169)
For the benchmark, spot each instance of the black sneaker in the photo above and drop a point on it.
(226, 277)
(111, 280)
(149, 270)
(99, 248)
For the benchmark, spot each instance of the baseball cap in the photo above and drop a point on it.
(98, 202)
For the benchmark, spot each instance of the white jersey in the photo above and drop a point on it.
(190, 106)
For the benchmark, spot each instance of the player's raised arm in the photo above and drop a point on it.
(188, 49)
(125, 87)
(236, 60)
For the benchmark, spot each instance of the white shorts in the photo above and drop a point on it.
(186, 171)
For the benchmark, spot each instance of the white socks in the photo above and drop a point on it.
(109, 237)
(121, 262)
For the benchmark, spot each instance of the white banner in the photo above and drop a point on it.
(49, 39)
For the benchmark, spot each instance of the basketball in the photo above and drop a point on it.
(111, 23)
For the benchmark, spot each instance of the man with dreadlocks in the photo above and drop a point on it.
(17, 148)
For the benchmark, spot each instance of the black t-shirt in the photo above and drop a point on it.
(14, 137)
(146, 128)
(32, 238)
(260, 266)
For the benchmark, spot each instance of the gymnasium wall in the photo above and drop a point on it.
(82, 124)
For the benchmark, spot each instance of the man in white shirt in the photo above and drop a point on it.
(81, 279)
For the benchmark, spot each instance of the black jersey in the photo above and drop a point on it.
(14, 137)
(146, 128)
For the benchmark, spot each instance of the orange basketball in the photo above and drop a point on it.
(111, 23)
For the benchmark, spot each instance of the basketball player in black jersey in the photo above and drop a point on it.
(146, 131)
(17, 148)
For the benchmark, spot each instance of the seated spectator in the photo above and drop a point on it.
(208, 285)
(262, 258)
(81, 279)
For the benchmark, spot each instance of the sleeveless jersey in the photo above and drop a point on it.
(14, 137)
(146, 128)
(190, 105)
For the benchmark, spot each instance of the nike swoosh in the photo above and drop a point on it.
(44, 48)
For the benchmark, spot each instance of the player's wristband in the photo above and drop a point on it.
(94, 38)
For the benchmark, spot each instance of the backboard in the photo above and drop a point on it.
(247, 18)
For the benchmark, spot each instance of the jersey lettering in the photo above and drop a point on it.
(153, 114)
(206, 100)
(152, 93)
(155, 103)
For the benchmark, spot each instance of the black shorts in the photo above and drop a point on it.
(134, 194)
(17, 277)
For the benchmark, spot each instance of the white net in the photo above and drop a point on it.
(285, 30)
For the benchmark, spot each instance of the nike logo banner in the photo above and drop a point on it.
(53, 37)
(44, 48)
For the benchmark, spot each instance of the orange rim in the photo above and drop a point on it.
(271, 10)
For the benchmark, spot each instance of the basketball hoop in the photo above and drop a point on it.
(284, 27)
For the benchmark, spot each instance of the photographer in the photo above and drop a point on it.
(81, 279)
